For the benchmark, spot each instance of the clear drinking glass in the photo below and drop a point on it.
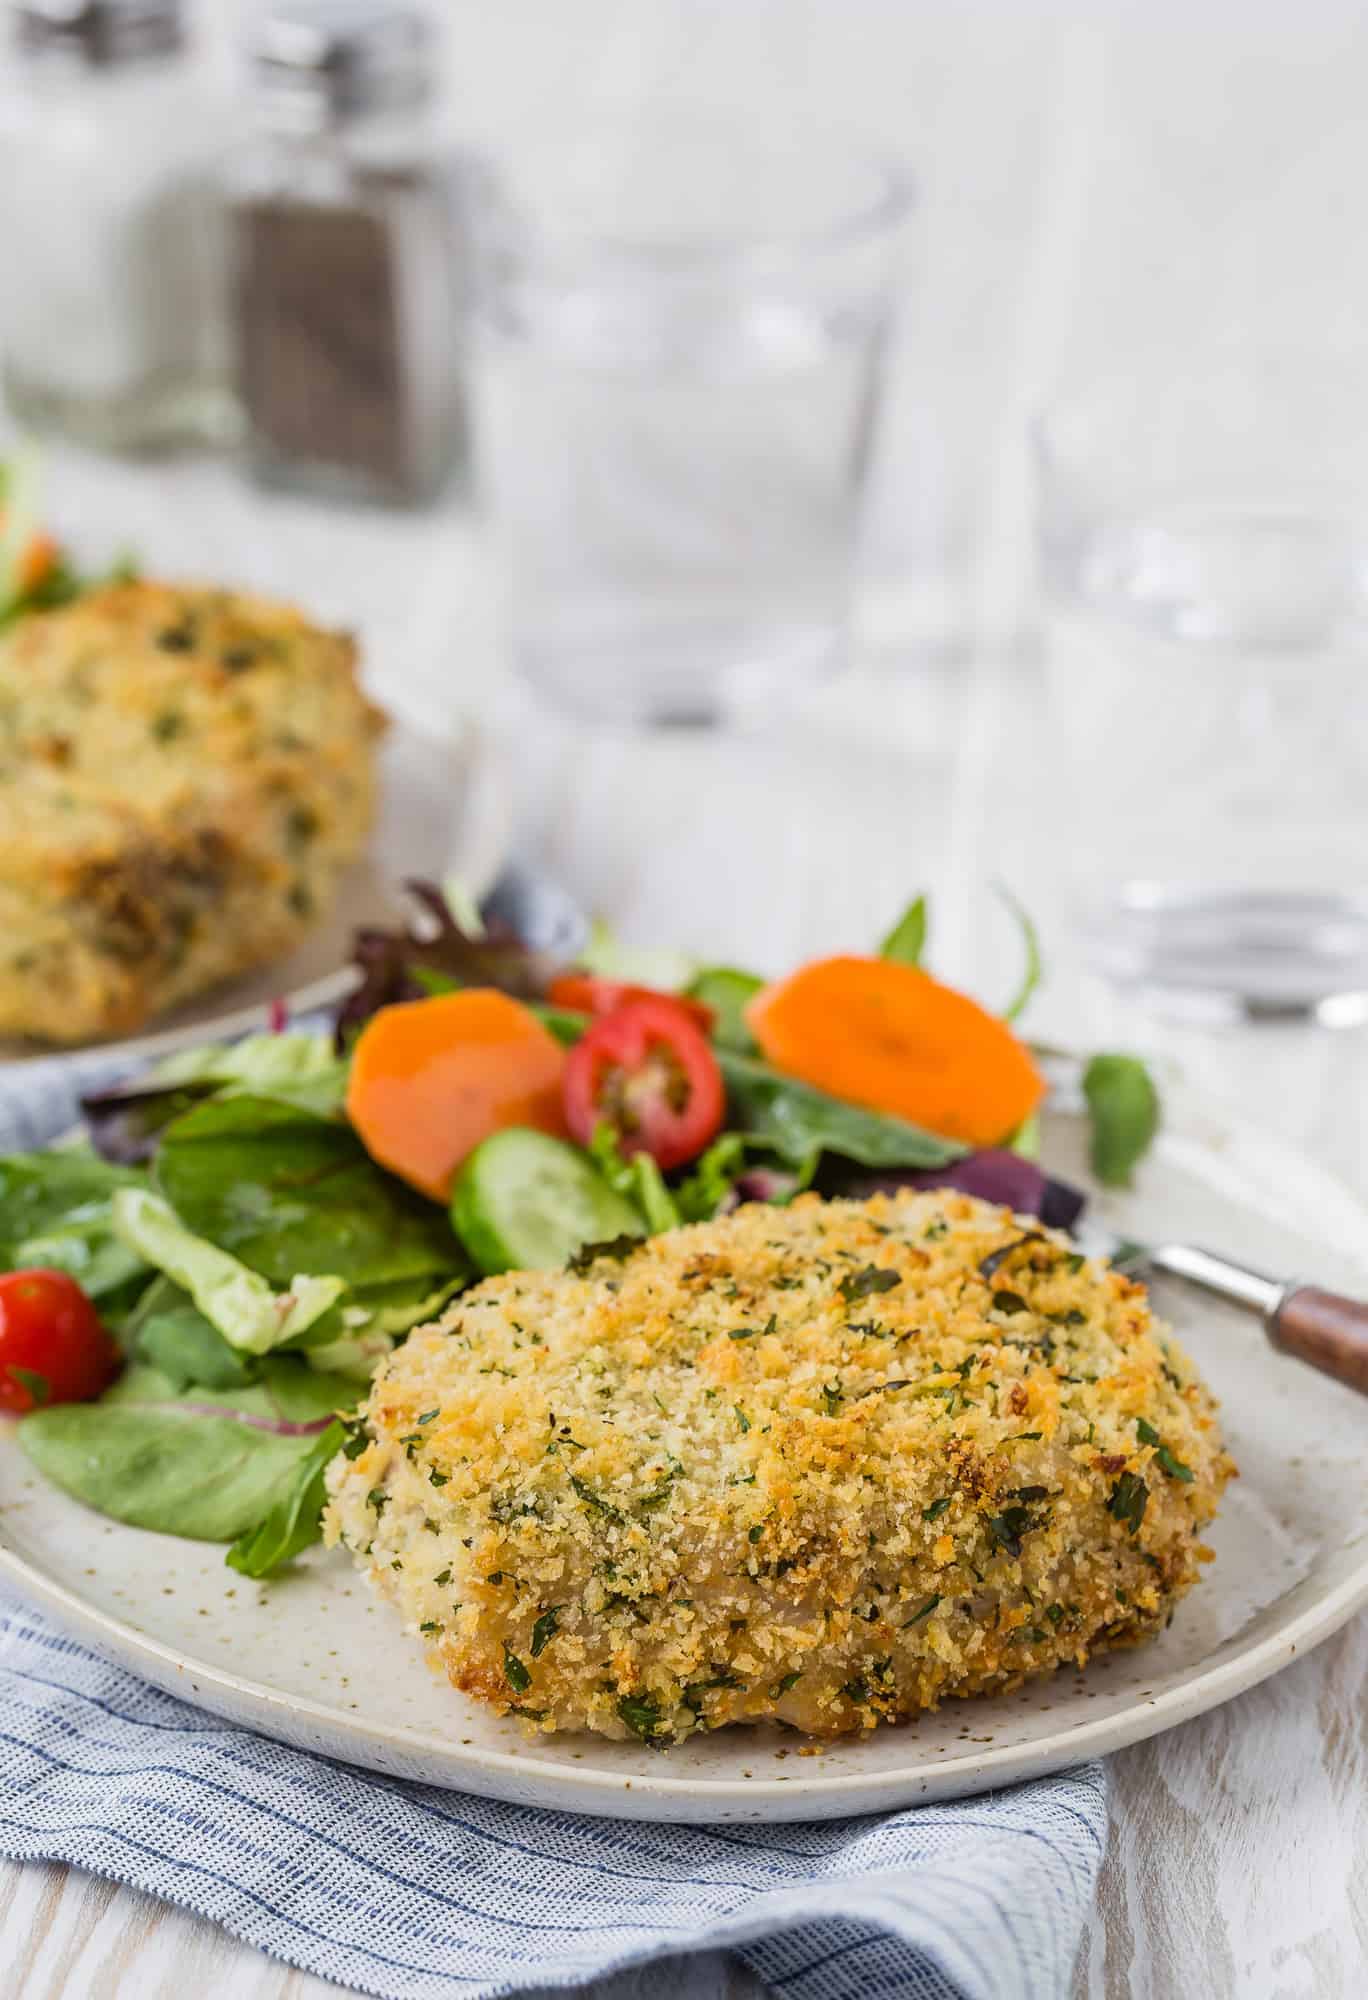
(1204, 545)
(677, 379)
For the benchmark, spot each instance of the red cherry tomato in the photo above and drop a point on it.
(53, 1348)
(586, 993)
(648, 1072)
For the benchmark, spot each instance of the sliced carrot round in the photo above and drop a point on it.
(38, 558)
(892, 1038)
(431, 1078)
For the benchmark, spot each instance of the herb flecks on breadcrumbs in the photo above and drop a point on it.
(827, 1464)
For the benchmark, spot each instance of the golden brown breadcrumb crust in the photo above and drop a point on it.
(827, 1463)
(183, 773)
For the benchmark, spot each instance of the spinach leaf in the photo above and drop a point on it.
(1123, 1104)
(55, 1211)
(235, 1299)
(171, 1334)
(288, 1192)
(1035, 966)
(159, 1466)
(212, 1465)
(906, 941)
(301, 1394)
(294, 1518)
(800, 1122)
(728, 992)
(141, 1384)
(286, 1392)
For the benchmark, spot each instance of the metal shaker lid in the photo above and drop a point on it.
(100, 31)
(322, 62)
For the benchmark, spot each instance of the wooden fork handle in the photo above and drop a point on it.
(1329, 1332)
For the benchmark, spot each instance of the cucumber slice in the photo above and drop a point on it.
(526, 1202)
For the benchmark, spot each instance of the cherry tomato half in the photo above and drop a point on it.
(648, 1071)
(53, 1348)
(586, 993)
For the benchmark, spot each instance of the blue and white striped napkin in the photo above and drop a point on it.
(410, 1892)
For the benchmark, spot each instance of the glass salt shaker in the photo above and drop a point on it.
(346, 247)
(113, 314)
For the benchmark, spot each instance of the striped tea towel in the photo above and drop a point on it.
(411, 1892)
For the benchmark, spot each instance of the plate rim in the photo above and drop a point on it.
(607, 1794)
(496, 1773)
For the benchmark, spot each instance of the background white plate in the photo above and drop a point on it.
(312, 1658)
(437, 812)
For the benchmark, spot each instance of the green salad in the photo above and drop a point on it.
(198, 1290)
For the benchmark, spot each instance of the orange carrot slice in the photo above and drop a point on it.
(892, 1038)
(38, 558)
(431, 1078)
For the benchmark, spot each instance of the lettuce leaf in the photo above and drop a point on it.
(906, 941)
(297, 1067)
(55, 1212)
(143, 1457)
(637, 1177)
(286, 1191)
(294, 1518)
(236, 1300)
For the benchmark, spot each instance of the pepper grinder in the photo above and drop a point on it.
(349, 304)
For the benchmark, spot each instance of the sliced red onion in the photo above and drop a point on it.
(758, 1184)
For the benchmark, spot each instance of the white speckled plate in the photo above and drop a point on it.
(436, 812)
(313, 1659)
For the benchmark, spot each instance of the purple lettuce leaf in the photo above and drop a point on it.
(125, 1123)
(431, 953)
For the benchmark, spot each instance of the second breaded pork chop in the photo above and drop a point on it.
(183, 774)
(827, 1463)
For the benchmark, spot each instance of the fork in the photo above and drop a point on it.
(1325, 1329)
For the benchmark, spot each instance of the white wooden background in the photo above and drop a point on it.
(1100, 179)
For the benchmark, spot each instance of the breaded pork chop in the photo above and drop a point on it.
(827, 1463)
(183, 774)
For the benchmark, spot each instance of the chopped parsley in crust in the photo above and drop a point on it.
(183, 774)
(829, 1464)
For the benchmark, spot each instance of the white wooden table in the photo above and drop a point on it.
(1097, 179)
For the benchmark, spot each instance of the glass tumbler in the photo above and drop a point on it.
(677, 379)
(1204, 549)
